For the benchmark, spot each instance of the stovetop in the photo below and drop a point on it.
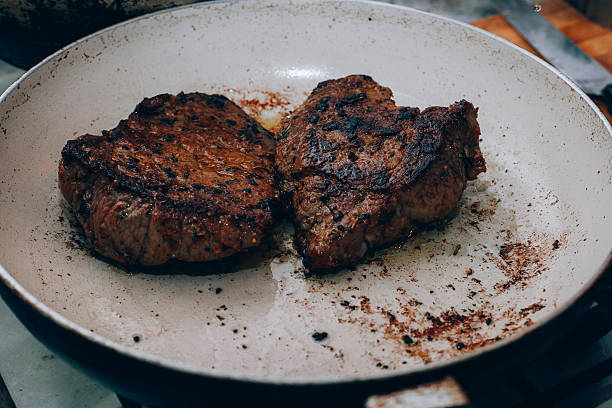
(575, 373)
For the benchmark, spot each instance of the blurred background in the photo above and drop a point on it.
(32, 29)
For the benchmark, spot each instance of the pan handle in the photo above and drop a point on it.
(437, 394)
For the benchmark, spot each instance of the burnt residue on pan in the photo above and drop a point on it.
(521, 261)
(409, 329)
(429, 337)
(266, 107)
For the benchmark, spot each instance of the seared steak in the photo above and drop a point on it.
(363, 173)
(186, 177)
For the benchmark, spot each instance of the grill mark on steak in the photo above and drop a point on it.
(159, 186)
(387, 170)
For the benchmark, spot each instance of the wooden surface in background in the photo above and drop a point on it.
(594, 39)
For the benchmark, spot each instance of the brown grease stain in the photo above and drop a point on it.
(521, 262)
(255, 106)
(463, 331)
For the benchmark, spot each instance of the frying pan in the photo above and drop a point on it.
(493, 285)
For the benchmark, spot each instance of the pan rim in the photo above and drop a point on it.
(11, 283)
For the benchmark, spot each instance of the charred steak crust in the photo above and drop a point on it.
(363, 173)
(187, 176)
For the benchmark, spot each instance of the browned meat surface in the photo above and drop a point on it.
(363, 173)
(186, 177)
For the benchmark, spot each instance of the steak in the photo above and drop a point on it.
(187, 177)
(363, 173)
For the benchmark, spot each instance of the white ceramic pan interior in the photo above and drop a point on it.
(531, 233)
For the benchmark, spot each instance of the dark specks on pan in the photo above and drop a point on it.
(522, 261)
(319, 336)
(494, 261)
(422, 334)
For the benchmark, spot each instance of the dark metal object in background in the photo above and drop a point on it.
(462, 10)
(559, 50)
(32, 29)
(599, 11)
